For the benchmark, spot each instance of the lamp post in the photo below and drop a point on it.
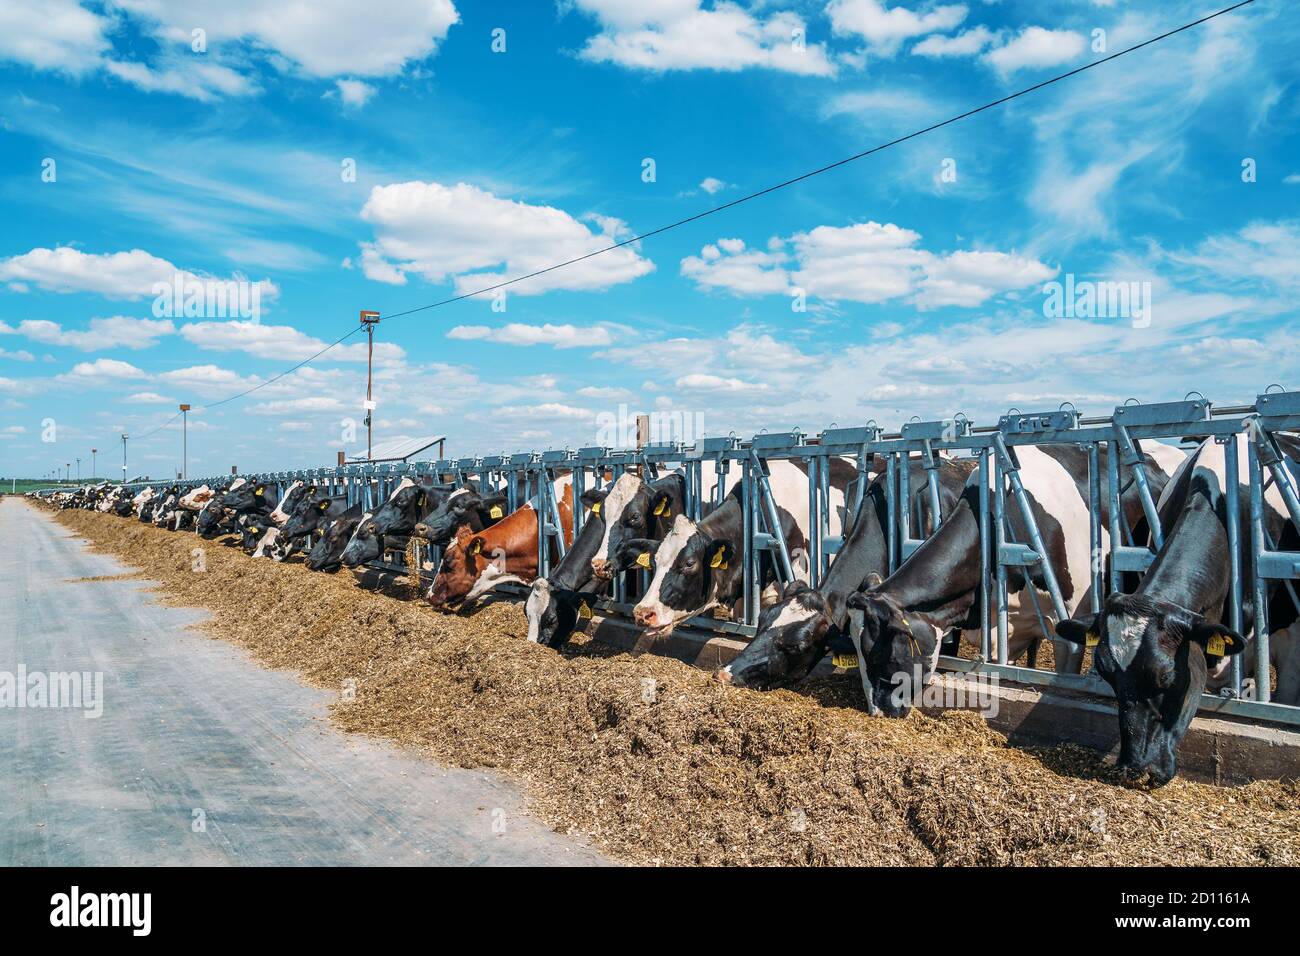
(78, 471)
(185, 441)
(94, 473)
(369, 320)
(124, 437)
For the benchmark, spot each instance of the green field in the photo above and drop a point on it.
(23, 485)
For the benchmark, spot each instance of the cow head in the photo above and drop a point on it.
(211, 517)
(327, 553)
(896, 648)
(554, 613)
(310, 515)
(632, 509)
(399, 514)
(688, 568)
(247, 497)
(793, 635)
(364, 546)
(1154, 656)
(464, 506)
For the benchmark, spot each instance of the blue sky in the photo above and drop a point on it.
(128, 157)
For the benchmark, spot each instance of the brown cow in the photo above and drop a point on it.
(475, 562)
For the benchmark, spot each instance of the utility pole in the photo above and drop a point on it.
(185, 441)
(124, 437)
(94, 474)
(78, 471)
(369, 320)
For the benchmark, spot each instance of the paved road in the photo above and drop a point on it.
(200, 755)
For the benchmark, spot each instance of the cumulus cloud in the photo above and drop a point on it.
(118, 331)
(517, 333)
(683, 35)
(1036, 47)
(465, 234)
(102, 371)
(114, 275)
(354, 93)
(280, 342)
(868, 263)
(52, 35)
(148, 398)
(885, 28)
(967, 43)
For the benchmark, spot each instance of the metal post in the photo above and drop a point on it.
(1112, 473)
(185, 442)
(124, 437)
(985, 589)
(748, 558)
(814, 523)
(94, 471)
(891, 508)
(1000, 540)
(1263, 689)
(1094, 523)
(369, 320)
(1232, 495)
(932, 480)
(772, 515)
(1132, 457)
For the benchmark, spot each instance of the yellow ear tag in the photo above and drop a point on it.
(259, 491)
(495, 511)
(1091, 639)
(718, 561)
(845, 660)
(663, 507)
(1215, 645)
(643, 560)
(595, 509)
(478, 548)
(584, 611)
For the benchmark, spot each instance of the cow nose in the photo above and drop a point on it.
(644, 616)
(600, 567)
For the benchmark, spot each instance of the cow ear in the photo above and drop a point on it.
(661, 505)
(1078, 632)
(874, 580)
(1217, 639)
(793, 588)
(593, 496)
(720, 553)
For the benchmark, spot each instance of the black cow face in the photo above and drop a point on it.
(210, 518)
(792, 637)
(398, 515)
(897, 653)
(1154, 656)
(305, 519)
(554, 613)
(465, 507)
(327, 553)
(248, 497)
(364, 546)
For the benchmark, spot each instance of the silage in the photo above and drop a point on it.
(657, 763)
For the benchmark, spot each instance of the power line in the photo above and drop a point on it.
(738, 201)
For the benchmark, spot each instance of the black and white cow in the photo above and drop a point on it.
(314, 513)
(327, 553)
(555, 603)
(636, 508)
(796, 633)
(390, 525)
(698, 566)
(937, 587)
(463, 507)
(1161, 646)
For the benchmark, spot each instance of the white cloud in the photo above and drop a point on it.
(682, 35)
(148, 398)
(461, 232)
(886, 28)
(210, 381)
(517, 333)
(1259, 252)
(280, 342)
(868, 263)
(712, 185)
(322, 404)
(1036, 47)
(52, 35)
(607, 393)
(543, 410)
(102, 371)
(22, 355)
(703, 382)
(354, 93)
(326, 38)
(967, 43)
(118, 331)
(115, 275)
(197, 80)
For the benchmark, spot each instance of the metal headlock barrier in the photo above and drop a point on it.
(531, 476)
